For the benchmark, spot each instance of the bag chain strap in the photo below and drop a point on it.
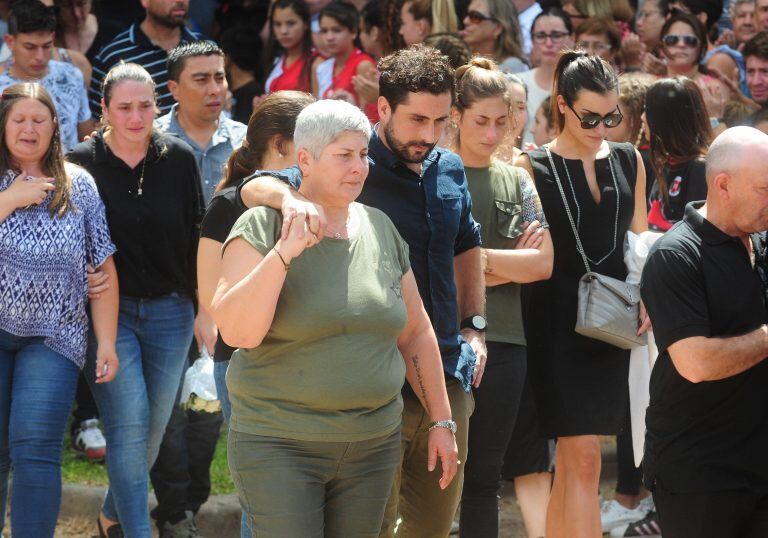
(579, 247)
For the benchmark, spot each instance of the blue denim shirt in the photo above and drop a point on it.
(211, 160)
(432, 212)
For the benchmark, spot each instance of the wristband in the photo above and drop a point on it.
(286, 265)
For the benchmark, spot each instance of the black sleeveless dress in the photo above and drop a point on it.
(579, 383)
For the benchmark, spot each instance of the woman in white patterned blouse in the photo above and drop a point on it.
(52, 224)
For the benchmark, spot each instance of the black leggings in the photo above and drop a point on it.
(490, 428)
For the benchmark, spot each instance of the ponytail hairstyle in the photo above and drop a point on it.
(274, 117)
(441, 14)
(479, 79)
(53, 160)
(274, 49)
(678, 123)
(123, 72)
(576, 71)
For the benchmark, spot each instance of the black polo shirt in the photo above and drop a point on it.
(156, 234)
(713, 435)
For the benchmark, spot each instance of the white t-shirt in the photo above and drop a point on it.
(526, 21)
(536, 94)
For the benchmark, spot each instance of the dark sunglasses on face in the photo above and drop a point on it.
(475, 17)
(592, 120)
(688, 40)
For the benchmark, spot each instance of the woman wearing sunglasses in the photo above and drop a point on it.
(579, 383)
(491, 30)
(551, 34)
(684, 44)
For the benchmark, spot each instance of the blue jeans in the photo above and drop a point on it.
(153, 337)
(37, 388)
(219, 376)
(222, 393)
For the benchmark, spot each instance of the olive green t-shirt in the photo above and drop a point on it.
(503, 197)
(329, 368)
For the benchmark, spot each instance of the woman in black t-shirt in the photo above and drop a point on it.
(680, 133)
(268, 146)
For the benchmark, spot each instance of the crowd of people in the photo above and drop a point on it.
(383, 221)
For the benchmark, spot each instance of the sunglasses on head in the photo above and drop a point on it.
(475, 17)
(688, 40)
(592, 120)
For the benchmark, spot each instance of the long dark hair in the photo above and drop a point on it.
(679, 125)
(53, 160)
(274, 49)
(576, 71)
(274, 116)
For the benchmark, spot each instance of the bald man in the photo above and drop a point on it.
(706, 444)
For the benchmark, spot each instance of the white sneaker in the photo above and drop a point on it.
(647, 504)
(89, 441)
(613, 515)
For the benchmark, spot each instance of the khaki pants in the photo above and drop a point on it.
(426, 510)
(308, 489)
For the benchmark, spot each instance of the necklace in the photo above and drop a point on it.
(141, 177)
(337, 234)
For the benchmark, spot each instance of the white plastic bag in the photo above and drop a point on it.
(199, 390)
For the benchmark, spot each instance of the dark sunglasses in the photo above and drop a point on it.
(475, 17)
(592, 120)
(688, 40)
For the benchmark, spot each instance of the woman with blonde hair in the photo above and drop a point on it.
(491, 29)
(517, 249)
(420, 18)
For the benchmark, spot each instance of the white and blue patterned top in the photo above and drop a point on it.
(67, 88)
(43, 285)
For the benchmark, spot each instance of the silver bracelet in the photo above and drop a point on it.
(447, 424)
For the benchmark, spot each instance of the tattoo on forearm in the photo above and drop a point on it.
(420, 379)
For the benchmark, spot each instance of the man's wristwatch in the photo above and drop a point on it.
(476, 323)
(447, 424)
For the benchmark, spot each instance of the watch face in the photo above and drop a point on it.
(479, 323)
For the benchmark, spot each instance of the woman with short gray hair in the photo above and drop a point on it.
(327, 336)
